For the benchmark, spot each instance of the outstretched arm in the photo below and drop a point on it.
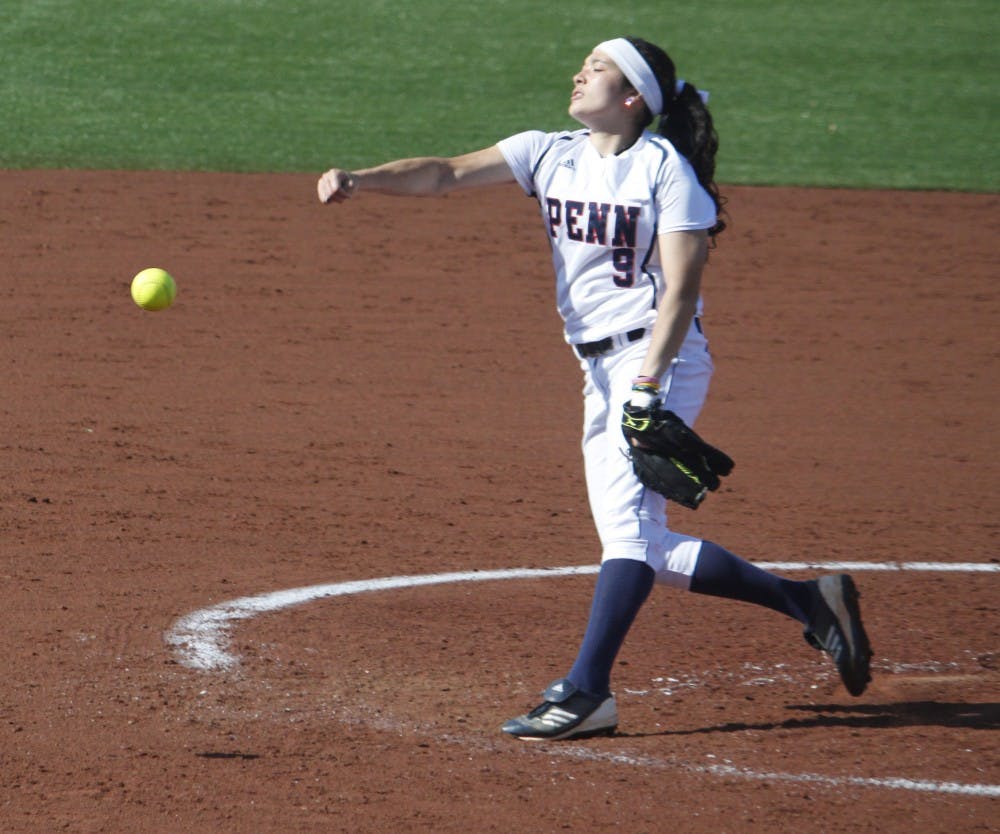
(420, 176)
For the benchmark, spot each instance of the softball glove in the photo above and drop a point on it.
(670, 458)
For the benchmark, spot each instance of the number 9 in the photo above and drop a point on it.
(623, 260)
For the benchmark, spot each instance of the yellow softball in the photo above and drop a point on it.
(154, 289)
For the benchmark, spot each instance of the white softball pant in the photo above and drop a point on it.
(632, 520)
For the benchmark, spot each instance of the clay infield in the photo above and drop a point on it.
(380, 390)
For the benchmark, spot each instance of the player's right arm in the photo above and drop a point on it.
(420, 176)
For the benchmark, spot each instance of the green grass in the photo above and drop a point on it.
(892, 94)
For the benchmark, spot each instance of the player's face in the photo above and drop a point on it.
(599, 90)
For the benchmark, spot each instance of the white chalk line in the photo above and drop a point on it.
(732, 771)
(201, 638)
(201, 641)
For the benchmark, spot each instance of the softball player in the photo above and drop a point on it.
(630, 214)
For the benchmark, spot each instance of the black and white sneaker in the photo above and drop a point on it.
(566, 713)
(835, 627)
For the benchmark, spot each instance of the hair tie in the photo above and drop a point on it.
(679, 88)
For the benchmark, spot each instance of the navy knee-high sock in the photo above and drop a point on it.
(723, 574)
(622, 587)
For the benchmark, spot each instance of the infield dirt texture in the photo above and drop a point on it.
(381, 389)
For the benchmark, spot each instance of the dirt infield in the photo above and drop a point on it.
(381, 390)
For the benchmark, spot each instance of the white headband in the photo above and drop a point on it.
(636, 70)
(639, 74)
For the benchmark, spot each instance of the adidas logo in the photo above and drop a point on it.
(557, 718)
(567, 163)
(834, 645)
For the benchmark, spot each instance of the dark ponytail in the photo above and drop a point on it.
(686, 123)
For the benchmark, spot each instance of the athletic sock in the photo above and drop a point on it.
(720, 573)
(622, 587)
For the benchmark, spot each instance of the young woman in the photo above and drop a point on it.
(630, 214)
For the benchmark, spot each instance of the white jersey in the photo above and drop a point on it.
(603, 215)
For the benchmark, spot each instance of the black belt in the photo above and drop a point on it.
(588, 350)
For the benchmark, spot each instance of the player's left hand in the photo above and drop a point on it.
(669, 458)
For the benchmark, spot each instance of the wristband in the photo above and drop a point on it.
(643, 397)
(646, 388)
(645, 391)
